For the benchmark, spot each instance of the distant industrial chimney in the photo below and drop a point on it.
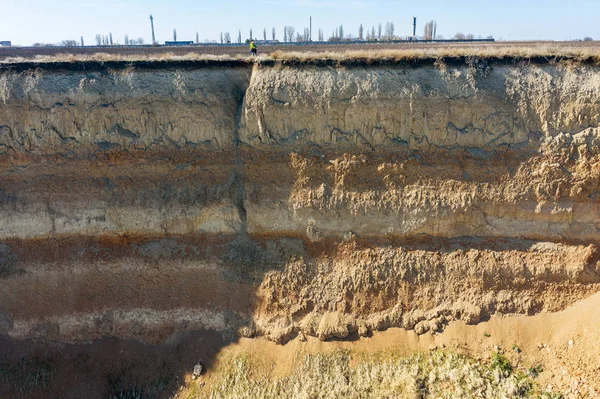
(414, 27)
(152, 24)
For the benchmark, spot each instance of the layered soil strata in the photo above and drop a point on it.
(140, 201)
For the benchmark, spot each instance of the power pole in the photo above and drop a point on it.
(414, 27)
(152, 24)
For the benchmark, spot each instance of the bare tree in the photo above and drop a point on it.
(273, 34)
(389, 30)
(239, 36)
(285, 33)
(110, 38)
(251, 37)
(341, 32)
(69, 43)
(227, 37)
(306, 36)
(98, 39)
(82, 43)
(127, 43)
(290, 32)
(140, 41)
(265, 34)
(221, 38)
(198, 37)
(379, 32)
(360, 32)
(428, 33)
(321, 35)
(373, 37)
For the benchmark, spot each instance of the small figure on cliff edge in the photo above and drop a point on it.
(253, 49)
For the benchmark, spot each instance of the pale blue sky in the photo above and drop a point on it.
(27, 21)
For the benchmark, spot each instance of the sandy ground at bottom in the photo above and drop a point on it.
(565, 344)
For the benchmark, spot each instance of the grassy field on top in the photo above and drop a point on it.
(372, 52)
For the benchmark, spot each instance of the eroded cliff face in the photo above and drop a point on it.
(139, 201)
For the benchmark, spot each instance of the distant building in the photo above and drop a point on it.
(5, 44)
(190, 43)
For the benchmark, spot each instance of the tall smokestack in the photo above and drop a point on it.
(414, 27)
(152, 24)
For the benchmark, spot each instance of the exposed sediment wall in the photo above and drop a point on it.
(139, 200)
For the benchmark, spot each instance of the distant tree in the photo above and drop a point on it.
(389, 30)
(321, 35)
(265, 34)
(306, 35)
(239, 36)
(588, 39)
(360, 32)
(373, 37)
(290, 32)
(227, 37)
(285, 33)
(127, 42)
(379, 32)
(250, 37)
(69, 43)
(98, 39)
(341, 32)
(221, 37)
(110, 40)
(198, 37)
(82, 43)
(429, 31)
(462, 36)
(273, 34)
(105, 40)
(140, 41)
(174, 35)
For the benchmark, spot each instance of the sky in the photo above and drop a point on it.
(25, 22)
